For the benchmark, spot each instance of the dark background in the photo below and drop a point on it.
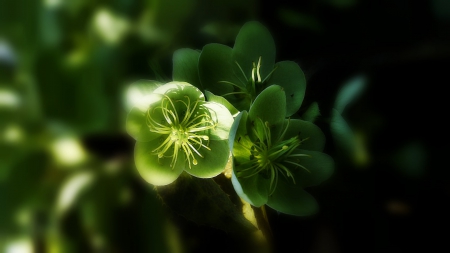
(393, 200)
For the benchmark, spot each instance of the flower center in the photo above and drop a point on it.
(271, 159)
(254, 85)
(182, 128)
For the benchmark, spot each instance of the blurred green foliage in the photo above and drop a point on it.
(67, 176)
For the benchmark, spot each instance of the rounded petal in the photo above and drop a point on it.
(136, 126)
(136, 122)
(185, 66)
(254, 190)
(235, 126)
(292, 199)
(289, 75)
(312, 112)
(216, 69)
(213, 162)
(137, 93)
(269, 105)
(314, 138)
(253, 42)
(154, 170)
(221, 100)
(178, 90)
(224, 119)
(320, 167)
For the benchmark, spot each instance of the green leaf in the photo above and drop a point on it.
(269, 105)
(344, 139)
(253, 41)
(71, 189)
(320, 167)
(312, 113)
(349, 92)
(254, 190)
(216, 69)
(224, 119)
(21, 188)
(289, 75)
(221, 100)
(314, 138)
(292, 199)
(213, 161)
(154, 170)
(185, 66)
(205, 203)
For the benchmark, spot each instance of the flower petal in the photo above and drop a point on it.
(154, 170)
(269, 105)
(253, 41)
(312, 112)
(185, 66)
(137, 93)
(314, 138)
(254, 190)
(235, 128)
(215, 66)
(213, 161)
(320, 166)
(292, 199)
(224, 119)
(289, 75)
(136, 124)
(221, 100)
(179, 90)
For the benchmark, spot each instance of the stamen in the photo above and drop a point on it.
(268, 76)
(234, 93)
(257, 70)
(242, 71)
(299, 165)
(233, 84)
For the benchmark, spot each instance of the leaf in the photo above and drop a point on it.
(71, 189)
(185, 66)
(349, 92)
(21, 188)
(205, 203)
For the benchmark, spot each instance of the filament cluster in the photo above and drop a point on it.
(271, 158)
(184, 126)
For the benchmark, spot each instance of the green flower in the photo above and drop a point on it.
(176, 130)
(276, 158)
(240, 73)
